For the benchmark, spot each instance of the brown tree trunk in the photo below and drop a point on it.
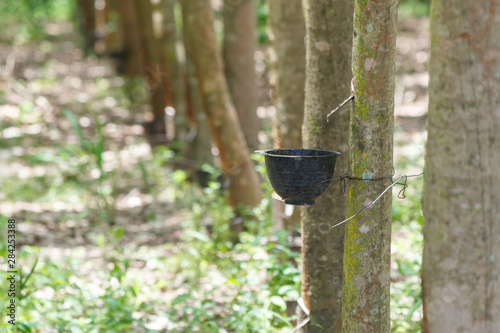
(461, 262)
(199, 145)
(86, 13)
(198, 19)
(287, 27)
(367, 250)
(176, 63)
(113, 38)
(239, 48)
(288, 57)
(101, 17)
(134, 56)
(155, 72)
(328, 77)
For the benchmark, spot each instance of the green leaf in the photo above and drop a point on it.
(279, 302)
(182, 298)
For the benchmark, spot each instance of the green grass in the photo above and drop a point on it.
(406, 250)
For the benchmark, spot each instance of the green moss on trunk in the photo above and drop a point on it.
(366, 293)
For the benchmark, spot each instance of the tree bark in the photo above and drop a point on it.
(176, 62)
(112, 37)
(101, 18)
(199, 145)
(328, 77)
(239, 48)
(367, 251)
(134, 57)
(287, 27)
(86, 14)
(156, 73)
(288, 57)
(244, 187)
(461, 262)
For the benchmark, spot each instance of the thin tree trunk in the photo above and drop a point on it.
(134, 57)
(101, 18)
(367, 251)
(461, 262)
(176, 63)
(112, 36)
(244, 187)
(86, 11)
(155, 73)
(239, 48)
(287, 30)
(287, 25)
(328, 77)
(199, 145)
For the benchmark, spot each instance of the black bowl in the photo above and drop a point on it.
(299, 176)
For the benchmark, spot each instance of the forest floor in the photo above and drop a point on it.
(73, 156)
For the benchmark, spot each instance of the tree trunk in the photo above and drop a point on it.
(287, 30)
(86, 14)
(134, 56)
(176, 63)
(367, 251)
(328, 77)
(199, 148)
(198, 19)
(239, 48)
(112, 37)
(101, 19)
(461, 262)
(199, 145)
(155, 73)
(287, 25)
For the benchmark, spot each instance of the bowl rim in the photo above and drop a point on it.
(266, 152)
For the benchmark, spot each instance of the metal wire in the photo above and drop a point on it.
(401, 195)
(342, 182)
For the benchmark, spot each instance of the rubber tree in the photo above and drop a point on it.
(238, 52)
(135, 60)
(86, 16)
(367, 251)
(199, 145)
(176, 62)
(461, 261)
(225, 128)
(287, 34)
(328, 78)
(288, 58)
(156, 74)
